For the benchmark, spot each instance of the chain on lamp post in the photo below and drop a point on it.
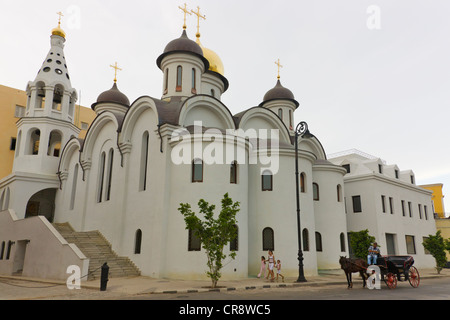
(300, 130)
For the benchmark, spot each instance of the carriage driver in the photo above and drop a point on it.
(374, 251)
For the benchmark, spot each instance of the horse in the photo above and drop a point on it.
(354, 265)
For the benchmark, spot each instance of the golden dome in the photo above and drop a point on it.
(59, 32)
(215, 63)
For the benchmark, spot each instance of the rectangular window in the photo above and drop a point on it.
(197, 170)
(347, 167)
(396, 174)
(12, 145)
(391, 205)
(410, 246)
(420, 211)
(383, 203)
(403, 208)
(194, 87)
(426, 213)
(267, 182)
(179, 78)
(84, 126)
(233, 172)
(19, 112)
(410, 208)
(194, 243)
(356, 204)
(390, 243)
(380, 168)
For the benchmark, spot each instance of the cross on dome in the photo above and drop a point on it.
(279, 66)
(186, 11)
(199, 16)
(116, 68)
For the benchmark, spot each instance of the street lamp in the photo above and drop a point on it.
(300, 130)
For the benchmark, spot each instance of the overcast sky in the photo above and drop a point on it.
(371, 75)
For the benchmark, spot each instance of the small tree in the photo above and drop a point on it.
(360, 242)
(436, 245)
(213, 233)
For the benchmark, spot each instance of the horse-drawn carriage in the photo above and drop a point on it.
(398, 268)
(392, 270)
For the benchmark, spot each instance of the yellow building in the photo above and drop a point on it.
(13, 104)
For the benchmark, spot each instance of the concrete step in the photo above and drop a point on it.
(97, 248)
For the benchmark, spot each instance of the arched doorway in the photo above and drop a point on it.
(42, 203)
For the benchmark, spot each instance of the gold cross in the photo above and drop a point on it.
(115, 67)
(185, 10)
(60, 14)
(279, 66)
(198, 20)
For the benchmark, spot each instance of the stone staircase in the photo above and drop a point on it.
(95, 247)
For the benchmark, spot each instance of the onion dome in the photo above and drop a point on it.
(114, 96)
(185, 45)
(58, 31)
(215, 63)
(279, 93)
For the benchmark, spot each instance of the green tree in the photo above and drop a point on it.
(360, 241)
(436, 245)
(213, 233)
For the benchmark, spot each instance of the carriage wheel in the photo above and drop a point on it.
(391, 280)
(413, 277)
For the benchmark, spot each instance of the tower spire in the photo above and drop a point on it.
(186, 11)
(199, 16)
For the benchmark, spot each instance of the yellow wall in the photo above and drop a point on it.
(9, 99)
(437, 197)
(444, 226)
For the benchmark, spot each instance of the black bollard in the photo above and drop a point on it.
(104, 277)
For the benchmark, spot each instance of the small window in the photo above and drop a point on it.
(420, 211)
(137, 241)
(425, 211)
(84, 126)
(109, 177)
(356, 204)
(410, 245)
(410, 209)
(290, 120)
(391, 205)
(19, 112)
(339, 192)
(166, 81)
(197, 170)
(396, 174)
(213, 93)
(412, 179)
(267, 181)
(305, 238)
(234, 244)
(315, 192)
(403, 208)
(194, 243)
(280, 113)
(383, 203)
(101, 177)
(318, 242)
(194, 88)
(12, 145)
(58, 71)
(268, 239)
(347, 167)
(303, 182)
(233, 172)
(179, 78)
(46, 69)
(380, 168)
(342, 241)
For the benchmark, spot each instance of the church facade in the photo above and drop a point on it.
(140, 160)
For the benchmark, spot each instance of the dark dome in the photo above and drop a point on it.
(279, 93)
(182, 44)
(113, 95)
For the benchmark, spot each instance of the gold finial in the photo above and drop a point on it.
(58, 31)
(185, 10)
(198, 21)
(279, 66)
(116, 68)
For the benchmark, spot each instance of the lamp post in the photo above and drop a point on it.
(300, 130)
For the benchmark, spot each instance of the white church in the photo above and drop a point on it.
(140, 160)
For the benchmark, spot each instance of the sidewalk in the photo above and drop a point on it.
(146, 285)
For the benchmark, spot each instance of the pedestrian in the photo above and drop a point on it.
(271, 261)
(279, 270)
(262, 270)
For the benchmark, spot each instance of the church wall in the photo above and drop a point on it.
(330, 217)
(276, 209)
(181, 263)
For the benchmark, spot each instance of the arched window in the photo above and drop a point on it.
(303, 182)
(2, 250)
(213, 93)
(305, 238)
(110, 171)
(318, 242)
(34, 139)
(342, 241)
(194, 243)
(179, 78)
(144, 162)
(166, 81)
(194, 87)
(101, 174)
(74, 187)
(8, 251)
(280, 113)
(268, 239)
(233, 172)
(267, 181)
(137, 241)
(315, 192)
(339, 193)
(234, 244)
(291, 126)
(197, 170)
(54, 144)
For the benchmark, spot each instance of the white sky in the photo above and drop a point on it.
(383, 91)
